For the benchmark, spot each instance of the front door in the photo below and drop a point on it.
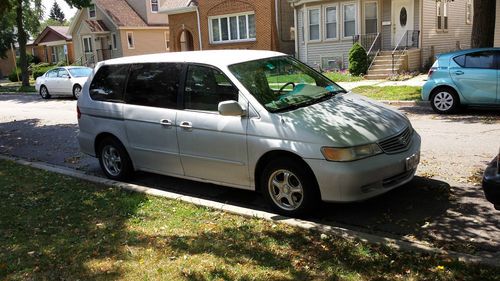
(402, 19)
(212, 147)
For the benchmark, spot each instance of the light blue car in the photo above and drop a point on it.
(467, 77)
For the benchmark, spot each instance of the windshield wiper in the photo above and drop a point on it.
(326, 96)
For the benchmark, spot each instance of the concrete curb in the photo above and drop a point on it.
(406, 103)
(487, 259)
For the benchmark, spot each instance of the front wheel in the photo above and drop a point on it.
(114, 160)
(44, 92)
(77, 90)
(290, 187)
(444, 101)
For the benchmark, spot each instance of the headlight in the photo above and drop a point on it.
(350, 153)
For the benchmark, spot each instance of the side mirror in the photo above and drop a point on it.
(231, 108)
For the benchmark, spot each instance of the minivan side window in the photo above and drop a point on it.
(154, 84)
(485, 59)
(206, 87)
(109, 82)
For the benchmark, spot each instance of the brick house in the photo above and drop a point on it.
(53, 45)
(231, 24)
(116, 28)
(413, 30)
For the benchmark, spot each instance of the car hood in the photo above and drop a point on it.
(344, 120)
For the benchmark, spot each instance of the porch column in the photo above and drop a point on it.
(360, 19)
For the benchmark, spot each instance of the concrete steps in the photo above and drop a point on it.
(382, 66)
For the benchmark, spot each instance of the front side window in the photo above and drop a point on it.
(232, 28)
(314, 19)
(206, 87)
(371, 17)
(154, 6)
(108, 83)
(284, 83)
(91, 11)
(154, 84)
(349, 20)
(331, 22)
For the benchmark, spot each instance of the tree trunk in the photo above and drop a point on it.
(21, 39)
(483, 27)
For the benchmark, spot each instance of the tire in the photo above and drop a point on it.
(290, 187)
(445, 101)
(77, 90)
(44, 92)
(114, 159)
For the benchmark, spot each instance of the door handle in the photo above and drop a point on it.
(166, 122)
(186, 125)
(459, 72)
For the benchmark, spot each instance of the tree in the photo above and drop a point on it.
(56, 13)
(483, 24)
(7, 34)
(28, 14)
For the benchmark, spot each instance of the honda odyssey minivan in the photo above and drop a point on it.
(255, 120)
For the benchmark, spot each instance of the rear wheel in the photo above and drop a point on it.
(114, 159)
(445, 101)
(289, 186)
(77, 90)
(44, 92)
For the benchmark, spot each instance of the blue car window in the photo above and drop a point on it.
(460, 60)
(484, 59)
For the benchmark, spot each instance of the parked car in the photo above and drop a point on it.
(491, 182)
(67, 80)
(468, 77)
(255, 120)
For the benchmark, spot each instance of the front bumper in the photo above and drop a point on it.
(491, 184)
(366, 178)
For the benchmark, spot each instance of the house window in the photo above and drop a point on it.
(469, 11)
(54, 54)
(114, 41)
(167, 40)
(154, 6)
(232, 28)
(314, 19)
(87, 44)
(349, 13)
(91, 11)
(130, 40)
(442, 14)
(331, 17)
(370, 17)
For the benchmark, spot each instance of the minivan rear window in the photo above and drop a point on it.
(154, 84)
(109, 82)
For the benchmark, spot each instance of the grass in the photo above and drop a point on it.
(337, 76)
(334, 76)
(403, 93)
(54, 227)
(16, 87)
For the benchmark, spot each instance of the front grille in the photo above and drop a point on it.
(397, 143)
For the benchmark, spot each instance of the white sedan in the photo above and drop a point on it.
(67, 80)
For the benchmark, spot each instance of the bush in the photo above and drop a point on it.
(13, 76)
(358, 60)
(29, 58)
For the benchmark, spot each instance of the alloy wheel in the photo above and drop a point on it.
(286, 190)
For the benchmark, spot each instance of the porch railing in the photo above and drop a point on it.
(410, 39)
(370, 42)
(85, 60)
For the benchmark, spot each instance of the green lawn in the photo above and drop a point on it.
(15, 87)
(342, 77)
(54, 227)
(403, 93)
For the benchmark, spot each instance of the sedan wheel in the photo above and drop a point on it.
(44, 92)
(444, 101)
(77, 90)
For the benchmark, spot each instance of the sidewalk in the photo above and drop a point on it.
(417, 81)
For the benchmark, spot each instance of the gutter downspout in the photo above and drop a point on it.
(305, 20)
(296, 33)
(199, 28)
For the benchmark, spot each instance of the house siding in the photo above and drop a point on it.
(146, 41)
(497, 26)
(143, 9)
(434, 41)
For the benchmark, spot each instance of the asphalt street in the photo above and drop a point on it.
(444, 205)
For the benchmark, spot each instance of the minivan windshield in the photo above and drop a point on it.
(284, 83)
(80, 72)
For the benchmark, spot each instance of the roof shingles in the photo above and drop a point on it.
(121, 13)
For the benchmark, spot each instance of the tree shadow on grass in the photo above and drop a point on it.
(56, 228)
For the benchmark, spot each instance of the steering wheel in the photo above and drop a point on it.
(284, 86)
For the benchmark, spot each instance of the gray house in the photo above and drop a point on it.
(398, 34)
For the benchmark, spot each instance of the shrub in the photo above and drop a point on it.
(358, 60)
(14, 74)
(29, 58)
(40, 70)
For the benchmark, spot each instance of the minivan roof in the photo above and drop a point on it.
(219, 58)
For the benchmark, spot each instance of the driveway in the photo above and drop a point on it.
(443, 205)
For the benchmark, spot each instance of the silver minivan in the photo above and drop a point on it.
(255, 120)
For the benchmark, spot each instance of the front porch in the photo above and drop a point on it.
(98, 43)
